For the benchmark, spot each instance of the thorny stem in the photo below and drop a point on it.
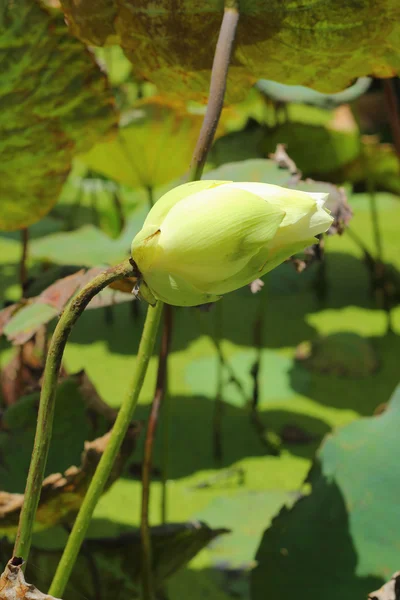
(219, 73)
(106, 463)
(161, 385)
(47, 401)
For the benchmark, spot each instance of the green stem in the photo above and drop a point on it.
(106, 463)
(374, 215)
(47, 401)
(161, 385)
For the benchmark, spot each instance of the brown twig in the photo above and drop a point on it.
(219, 73)
(393, 112)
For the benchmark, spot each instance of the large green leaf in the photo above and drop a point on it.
(323, 45)
(54, 102)
(319, 141)
(256, 169)
(342, 539)
(88, 246)
(153, 147)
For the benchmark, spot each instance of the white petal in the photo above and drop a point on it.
(319, 197)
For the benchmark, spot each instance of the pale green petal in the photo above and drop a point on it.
(144, 249)
(305, 215)
(176, 291)
(211, 236)
(260, 264)
(161, 208)
(296, 204)
(278, 256)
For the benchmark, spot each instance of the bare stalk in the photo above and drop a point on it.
(219, 73)
(47, 401)
(161, 386)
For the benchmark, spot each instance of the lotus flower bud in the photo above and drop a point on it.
(207, 238)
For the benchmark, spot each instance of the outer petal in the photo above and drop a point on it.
(260, 264)
(161, 208)
(305, 214)
(212, 235)
(176, 291)
(144, 247)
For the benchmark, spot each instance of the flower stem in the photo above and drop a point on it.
(161, 385)
(47, 401)
(106, 463)
(219, 73)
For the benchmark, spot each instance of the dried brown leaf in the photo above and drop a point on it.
(14, 587)
(21, 375)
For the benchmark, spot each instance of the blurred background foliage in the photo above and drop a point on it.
(257, 382)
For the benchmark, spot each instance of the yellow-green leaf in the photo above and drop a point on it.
(322, 45)
(54, 101)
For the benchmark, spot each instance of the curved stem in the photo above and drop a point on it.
(105, 465)
(47, 401)
(222, 57)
